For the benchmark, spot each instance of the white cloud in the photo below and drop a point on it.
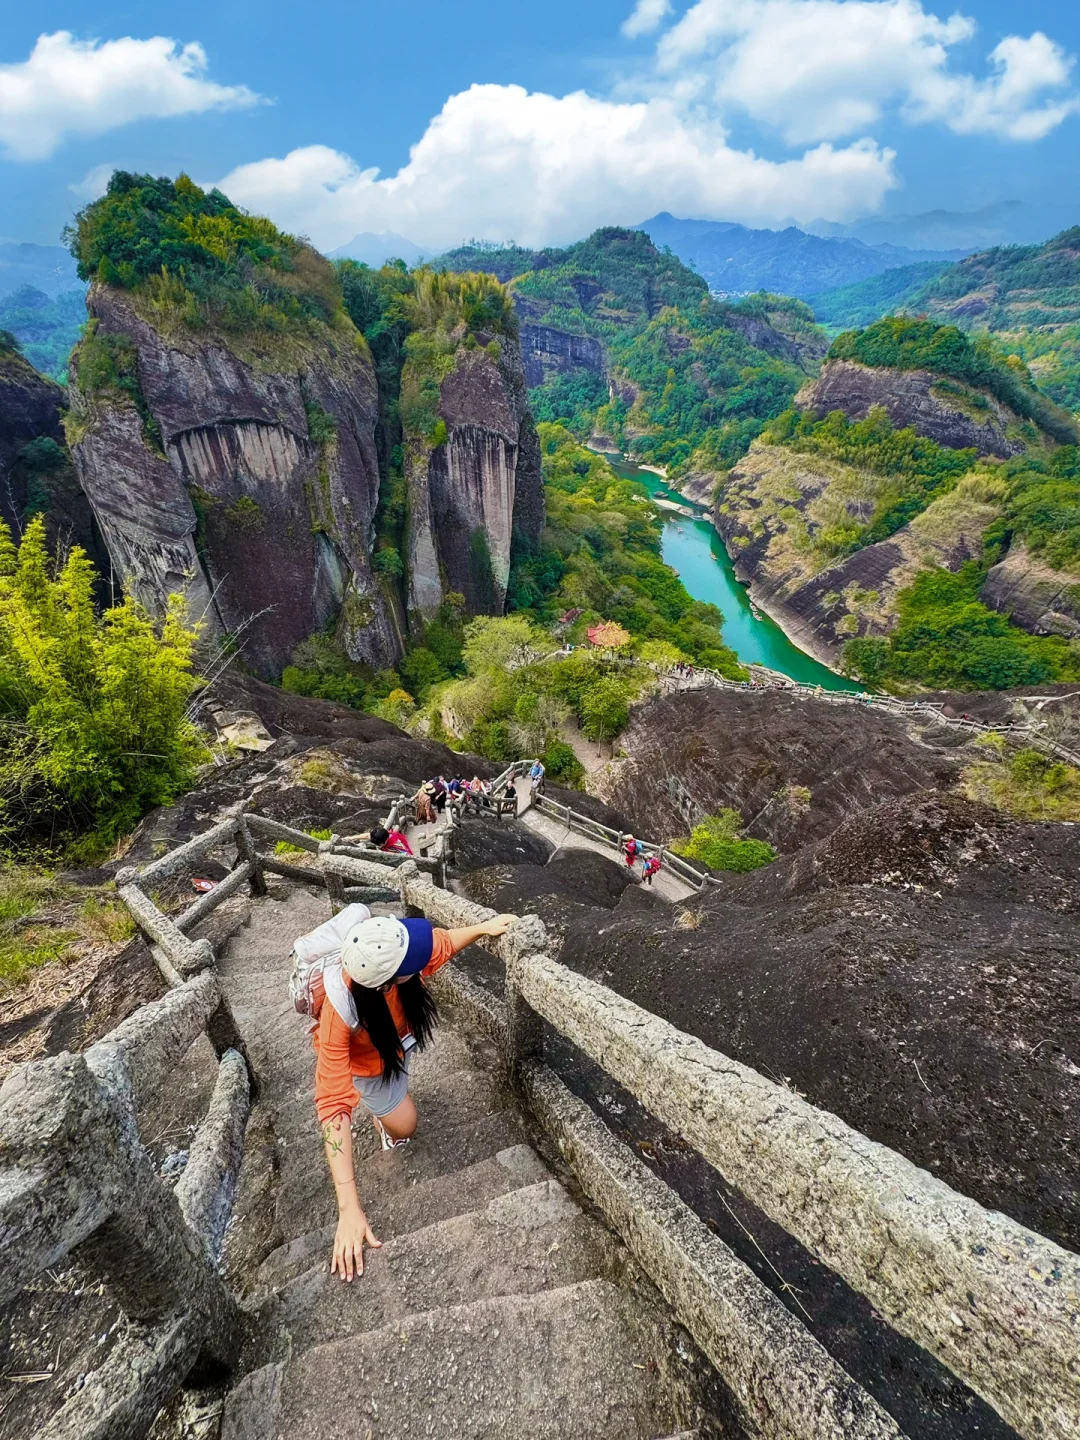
(646, 17)
(85, 87)
(501, 162)
(94, 183)
(826, 69)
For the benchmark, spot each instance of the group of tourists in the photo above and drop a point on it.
(435, 795)
(633, 850)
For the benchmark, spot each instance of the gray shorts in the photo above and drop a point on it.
(381, 1096)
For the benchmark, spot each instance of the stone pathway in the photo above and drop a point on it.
(667, 885)
(497, 1307)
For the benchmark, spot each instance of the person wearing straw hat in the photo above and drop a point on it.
(377, 1011)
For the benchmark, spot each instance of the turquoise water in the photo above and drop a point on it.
(695, 550)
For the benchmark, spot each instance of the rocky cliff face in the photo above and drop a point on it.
(479, 492)
(943, 410)
(249, 483)
(776, 504)
(548, 352)
(1036, 597)
(35, 468)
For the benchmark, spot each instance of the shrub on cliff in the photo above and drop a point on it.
(923, 469)
(715, 842)
(199, 258)
(897, 342)
(93, 707)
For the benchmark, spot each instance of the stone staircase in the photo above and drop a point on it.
(496, 1307)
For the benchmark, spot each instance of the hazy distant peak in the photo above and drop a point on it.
(375, 249)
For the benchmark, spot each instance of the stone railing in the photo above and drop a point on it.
(76, 1182)
(996, 1303)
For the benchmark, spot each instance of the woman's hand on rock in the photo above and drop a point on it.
(353, 1233)
(499, 925)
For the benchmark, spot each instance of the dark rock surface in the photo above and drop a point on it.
(30, 409)
(284, 714)
(559, 891)
(915, 398)
(274, 527)
(478, 494)
(695, 752)
(547, 352)
(1033, 594)
(916, 974)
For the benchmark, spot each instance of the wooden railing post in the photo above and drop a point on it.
(248, 853)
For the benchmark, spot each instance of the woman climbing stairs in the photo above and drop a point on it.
(496, 1307)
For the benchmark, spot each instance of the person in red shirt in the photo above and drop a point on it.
(363, 1045)
(394, 839)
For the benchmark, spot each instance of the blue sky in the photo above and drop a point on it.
(538, 123)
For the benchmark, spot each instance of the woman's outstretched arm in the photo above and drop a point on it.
(468, 934)
(353, 1229)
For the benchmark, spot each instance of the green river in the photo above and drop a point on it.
(695, 550)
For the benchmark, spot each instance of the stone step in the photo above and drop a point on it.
(588, 1361)
(530, 1240)
(393, 1214)
(305, 1199)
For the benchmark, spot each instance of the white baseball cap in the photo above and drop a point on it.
(373, 950)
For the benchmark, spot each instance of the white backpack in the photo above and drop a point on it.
(316, 973)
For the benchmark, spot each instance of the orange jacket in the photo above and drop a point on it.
(342, 1053)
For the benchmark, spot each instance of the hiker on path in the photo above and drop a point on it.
(630, 850)
(536, 775)
(425, 812)
(650, 868)
(393, 839)
(372, 1010)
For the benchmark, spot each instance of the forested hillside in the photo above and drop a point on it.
(687, 380)
(923, 493)
(1028, 296)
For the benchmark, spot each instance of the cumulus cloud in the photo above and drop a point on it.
(499, 161)
(827, 69)
(94, 183)
(86, 87)
(646, 17)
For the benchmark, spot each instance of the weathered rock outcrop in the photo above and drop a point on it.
(793, 768)
(257, 490)
(778, 502)
(547, 352)
(913, 973)
(1036, 596)
(944, 410)
(37, 476)
(479, 494)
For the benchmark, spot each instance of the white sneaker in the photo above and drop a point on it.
(388, 1141)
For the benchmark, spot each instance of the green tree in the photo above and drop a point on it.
(605, 709)
(501, 643)
(94, 727)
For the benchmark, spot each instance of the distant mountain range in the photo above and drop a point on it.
(1010, 222)
(735, 260)
(374, 249)
(46, 267)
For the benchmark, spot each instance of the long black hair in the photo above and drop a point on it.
(421, 1014)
